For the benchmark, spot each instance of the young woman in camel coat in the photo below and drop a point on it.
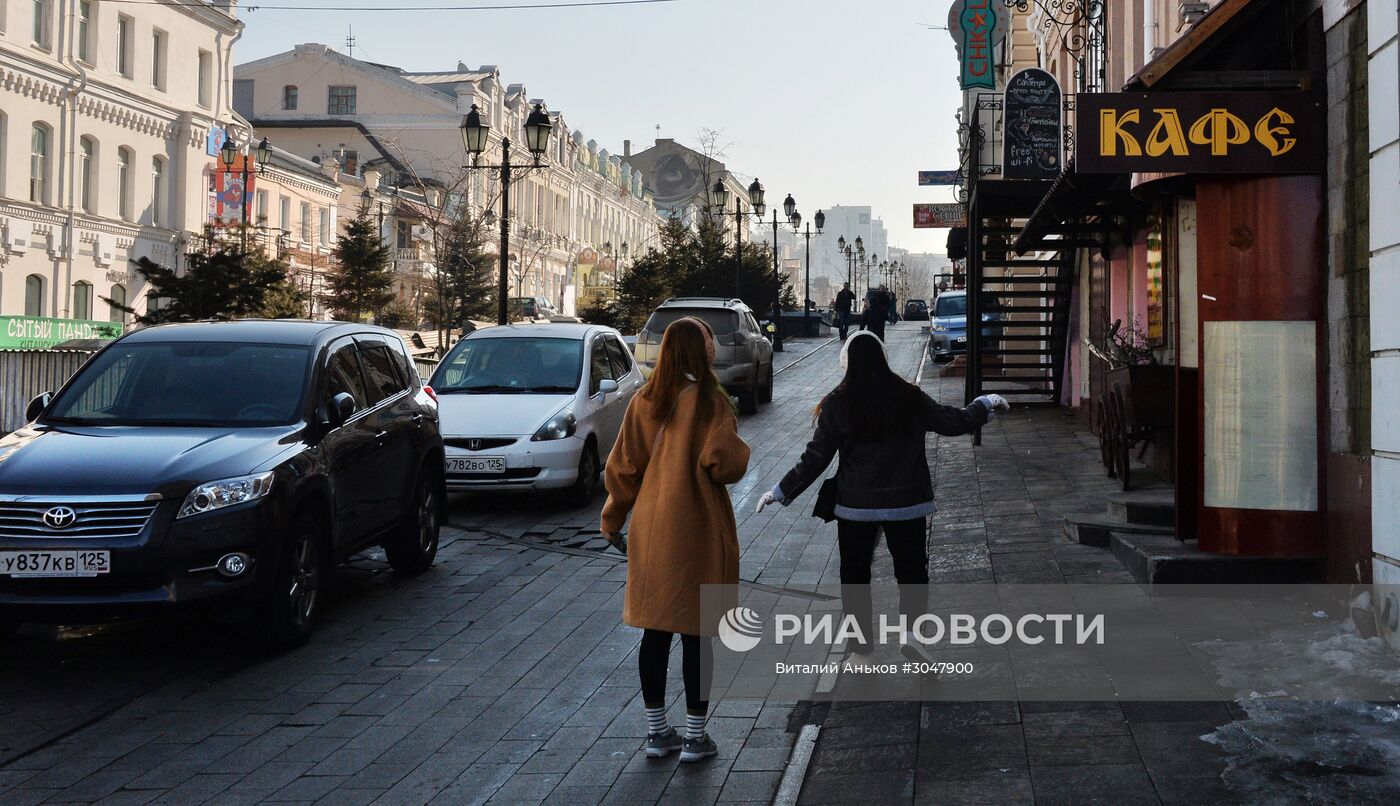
(678, 448)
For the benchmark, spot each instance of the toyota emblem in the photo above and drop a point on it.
(60, 517)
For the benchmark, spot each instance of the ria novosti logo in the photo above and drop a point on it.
(740, 629)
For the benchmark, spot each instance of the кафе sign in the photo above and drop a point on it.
(1200, 132)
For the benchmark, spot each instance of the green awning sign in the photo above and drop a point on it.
(39, 333)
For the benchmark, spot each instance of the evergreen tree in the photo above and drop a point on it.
(464, 285)
(396, 314)
(362, 278)
(221, 282)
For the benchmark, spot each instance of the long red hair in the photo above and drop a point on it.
(685, 353)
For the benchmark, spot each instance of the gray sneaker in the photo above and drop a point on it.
(698, 749)
(661, 745)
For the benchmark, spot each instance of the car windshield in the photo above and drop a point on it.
(720, 320)
(951, 306)
(214, 384)
(512, 365)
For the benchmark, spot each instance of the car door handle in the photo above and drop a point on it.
(381, 436)
(419, 418)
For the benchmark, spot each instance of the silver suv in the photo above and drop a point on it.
(743, 355)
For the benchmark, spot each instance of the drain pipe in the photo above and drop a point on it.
(1149, 30)
(71, 123)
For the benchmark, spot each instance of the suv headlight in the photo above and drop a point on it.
(940, 328)
(225, 493)
(560, 426)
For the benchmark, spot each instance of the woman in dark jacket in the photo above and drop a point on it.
(877, 421)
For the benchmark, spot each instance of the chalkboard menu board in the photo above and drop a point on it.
(1031, 134)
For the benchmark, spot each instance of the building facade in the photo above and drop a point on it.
(581, 205)
(110, 121)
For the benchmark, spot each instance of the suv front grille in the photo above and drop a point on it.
(92, 521)
(478, 444)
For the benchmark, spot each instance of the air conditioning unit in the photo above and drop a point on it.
(1190, 12)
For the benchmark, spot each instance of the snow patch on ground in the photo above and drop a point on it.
(1315, 750)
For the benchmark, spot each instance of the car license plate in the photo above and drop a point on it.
(476, 464)
(960, 341)
(55, 563)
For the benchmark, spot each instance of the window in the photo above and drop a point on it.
(126, 28)
(157, 190)
(85, 31)
(87, 151)
(82, 300)
(284, 214)
(206, 78)
(305, 222)
(262, 208)
(39, 164)
(124, 183)
(381, 381)
(599, 369)
(349, 161)
(289, 97)
(158, 59)
(34, 295)
(43, 20)
(343, 375)
(403, 234)
(118, 298)
(617, 355)
(324, 234)
(341, 101)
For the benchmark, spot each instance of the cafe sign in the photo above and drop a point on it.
(938, 216)
(1206, 132)
(977, 28)
(39, 333)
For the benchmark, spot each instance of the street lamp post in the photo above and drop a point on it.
(807, 281)
(229, 154)
(719, 197)
(475, 135)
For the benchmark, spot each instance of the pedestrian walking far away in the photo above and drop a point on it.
(876, 421)
(678, 448)
(845, 300)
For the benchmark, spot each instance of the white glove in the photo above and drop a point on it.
(765, 500)
(994, 404)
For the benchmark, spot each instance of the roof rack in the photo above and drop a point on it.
(725, 300)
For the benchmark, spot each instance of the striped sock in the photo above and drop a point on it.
(656, 720)
(694, 725)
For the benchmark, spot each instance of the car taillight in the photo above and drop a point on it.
(644, 337)
(430, 392)
(736, 339)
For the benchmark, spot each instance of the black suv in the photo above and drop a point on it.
(221, 464)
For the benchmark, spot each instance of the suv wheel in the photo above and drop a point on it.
(581, 494)
(748, 398)
(767, 393)
(288, 616)
(414, 545)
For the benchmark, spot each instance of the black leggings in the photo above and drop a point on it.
(905, 540)
(697, 663)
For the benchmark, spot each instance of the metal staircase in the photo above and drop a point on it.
(1024, 304)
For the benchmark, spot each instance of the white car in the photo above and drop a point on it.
(533, 407)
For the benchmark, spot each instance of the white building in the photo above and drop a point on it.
(106, 116)
(1384, 84)
(849, 222)
(569, 217)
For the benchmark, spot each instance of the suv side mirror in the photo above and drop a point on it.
(607, 386)
(341, 407)
(37, 406)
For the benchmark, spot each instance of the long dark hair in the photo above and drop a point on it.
(684, 351)
(875, 400)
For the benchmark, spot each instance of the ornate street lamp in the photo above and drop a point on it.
(475, 136)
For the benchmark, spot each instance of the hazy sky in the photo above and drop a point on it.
(833, 101)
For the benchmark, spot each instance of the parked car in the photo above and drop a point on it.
(743, 355)
(916, 310)
(948, 326)
(224, 465)
(535, 309)
(534, 407)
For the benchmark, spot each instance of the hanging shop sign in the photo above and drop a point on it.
(1208, 132)
(41, 333)
(1031, 133)
(977, 28)
(934, 216)
(928, 178)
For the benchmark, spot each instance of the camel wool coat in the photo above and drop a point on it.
(683, 532)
